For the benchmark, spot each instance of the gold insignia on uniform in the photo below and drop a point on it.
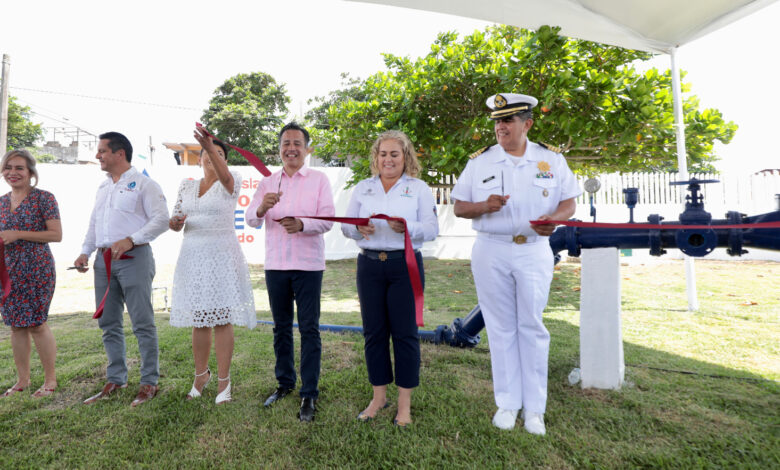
(543, 166)
(499, 101)
(519, 239)
(478, 152)
(545, 193)
(382, 256)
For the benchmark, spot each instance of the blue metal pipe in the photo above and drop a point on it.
(694, 242)
(331, 328)
(464, 332)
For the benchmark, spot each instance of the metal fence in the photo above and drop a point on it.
(753, 192)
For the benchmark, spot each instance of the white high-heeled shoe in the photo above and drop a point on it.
(194, 393)
(224, 395)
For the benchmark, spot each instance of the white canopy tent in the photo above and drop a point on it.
(653, 26)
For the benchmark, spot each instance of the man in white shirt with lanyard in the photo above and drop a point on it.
(502, 189)
(130, 211)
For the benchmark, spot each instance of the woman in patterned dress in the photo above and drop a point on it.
(29, 220)
(211, 285)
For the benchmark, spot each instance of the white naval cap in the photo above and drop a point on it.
(508, 104)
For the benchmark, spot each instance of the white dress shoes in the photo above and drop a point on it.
(505, 419)
(534, 423)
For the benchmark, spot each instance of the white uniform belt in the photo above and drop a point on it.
(519, 239)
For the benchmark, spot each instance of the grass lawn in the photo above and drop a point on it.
(659, 419)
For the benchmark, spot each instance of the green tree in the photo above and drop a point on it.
(318, 117)
(22, 132)
(351, 89)
(593, 103)
(247, 111)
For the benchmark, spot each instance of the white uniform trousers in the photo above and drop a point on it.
(512, 283)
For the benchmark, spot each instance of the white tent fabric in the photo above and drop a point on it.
(648, 25)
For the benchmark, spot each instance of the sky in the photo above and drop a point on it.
(171, 55)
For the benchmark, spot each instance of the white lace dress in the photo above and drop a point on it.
(211, 284)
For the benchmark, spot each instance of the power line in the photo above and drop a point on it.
(64, 122)
(106, 98)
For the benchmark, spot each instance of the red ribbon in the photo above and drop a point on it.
(5, 279)
(411, 260)
(107, 261)
(577, 223)
(250, 157)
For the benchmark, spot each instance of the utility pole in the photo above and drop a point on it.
(151, 152)
(4, 104)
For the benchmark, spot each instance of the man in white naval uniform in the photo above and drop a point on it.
(503, 188)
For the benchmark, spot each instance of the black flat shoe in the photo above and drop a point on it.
(278, 394)
(306, 415)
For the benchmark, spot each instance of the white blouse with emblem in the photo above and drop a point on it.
(409, 198)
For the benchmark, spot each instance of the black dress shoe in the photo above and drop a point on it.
(278, 394)
(306, 414)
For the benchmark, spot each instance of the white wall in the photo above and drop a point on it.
(74, 187)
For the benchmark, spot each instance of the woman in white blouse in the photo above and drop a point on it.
(384, 288)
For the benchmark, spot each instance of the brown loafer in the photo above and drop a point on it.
(145, 393)
(108, 389)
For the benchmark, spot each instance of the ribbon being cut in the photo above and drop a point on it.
(107, 261)
(249, 156)
(411, 261)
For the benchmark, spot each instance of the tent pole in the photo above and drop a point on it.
(682, 168)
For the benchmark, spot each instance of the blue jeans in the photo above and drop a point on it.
(303, 287)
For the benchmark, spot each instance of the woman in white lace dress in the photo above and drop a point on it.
(211, 285)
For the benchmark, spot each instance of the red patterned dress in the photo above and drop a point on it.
(30, 264)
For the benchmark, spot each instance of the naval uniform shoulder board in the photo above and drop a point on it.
(478, 152)
(551, 147)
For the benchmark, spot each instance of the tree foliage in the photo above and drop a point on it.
(318, 117)
(606, 115)
(22, 132)
(351, 89)
(247, 111)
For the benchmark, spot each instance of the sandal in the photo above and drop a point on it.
(224, 396)
(194, 393)
(13, 390)
(44, 392)
(362, 416)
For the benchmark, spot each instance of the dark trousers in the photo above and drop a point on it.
(304, 287)
(387, 308)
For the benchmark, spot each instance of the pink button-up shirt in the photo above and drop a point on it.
(306, 193)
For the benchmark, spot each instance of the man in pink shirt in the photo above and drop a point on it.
(294, 261)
